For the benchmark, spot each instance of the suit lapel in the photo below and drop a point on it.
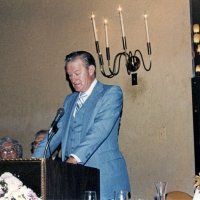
(93, 98)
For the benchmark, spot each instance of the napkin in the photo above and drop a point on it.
(196, 194)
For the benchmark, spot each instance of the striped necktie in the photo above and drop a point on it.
(81, 99)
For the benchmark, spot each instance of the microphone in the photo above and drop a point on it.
(59, 114)
(53, 129)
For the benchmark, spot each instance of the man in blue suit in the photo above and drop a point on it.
(88, 132)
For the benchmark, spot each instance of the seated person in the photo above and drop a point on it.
(39, 136)
(10, 148)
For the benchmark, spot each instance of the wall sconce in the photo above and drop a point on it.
(196, 41)
(198, 48)
(196, 28)
(133, 59)
(197, 70)
(196, 38)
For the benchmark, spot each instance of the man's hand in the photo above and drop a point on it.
(71, 160)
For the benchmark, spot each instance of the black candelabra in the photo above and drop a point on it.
(133, 60)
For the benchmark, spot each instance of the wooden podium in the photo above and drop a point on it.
(54, 180)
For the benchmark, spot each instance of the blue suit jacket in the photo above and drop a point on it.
(93, 136)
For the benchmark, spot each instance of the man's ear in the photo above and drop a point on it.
(91, 69)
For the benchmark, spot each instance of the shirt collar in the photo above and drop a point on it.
(89, 91)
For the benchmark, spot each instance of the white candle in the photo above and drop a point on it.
(94, 27)
(121, 21)
(106, 31)
(146, 26)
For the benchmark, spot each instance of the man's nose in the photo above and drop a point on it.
(73, 79)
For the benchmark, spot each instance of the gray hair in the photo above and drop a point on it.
(16, 144)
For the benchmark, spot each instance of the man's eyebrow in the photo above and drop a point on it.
(75, 71)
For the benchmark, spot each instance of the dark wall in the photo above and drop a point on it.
(195, 7)
(195, 19)
(196, 120)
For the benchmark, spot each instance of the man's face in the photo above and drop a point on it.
(8, 151)
(80, 76)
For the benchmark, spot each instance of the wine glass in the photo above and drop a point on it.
(121, 195)
(90, 195)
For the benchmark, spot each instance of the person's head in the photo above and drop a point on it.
(10, 148)
(80, 68)
(39, 136)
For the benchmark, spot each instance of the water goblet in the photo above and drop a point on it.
(161, 189)
(121, 195)
(90, 195)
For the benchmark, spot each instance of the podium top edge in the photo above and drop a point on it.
(24, 159)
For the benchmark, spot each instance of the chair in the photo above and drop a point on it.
(178, 195)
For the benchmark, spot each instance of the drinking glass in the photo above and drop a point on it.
(90, 195)
(121, 195)
(161, 189)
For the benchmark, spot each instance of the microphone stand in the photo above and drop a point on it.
(51, 133)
